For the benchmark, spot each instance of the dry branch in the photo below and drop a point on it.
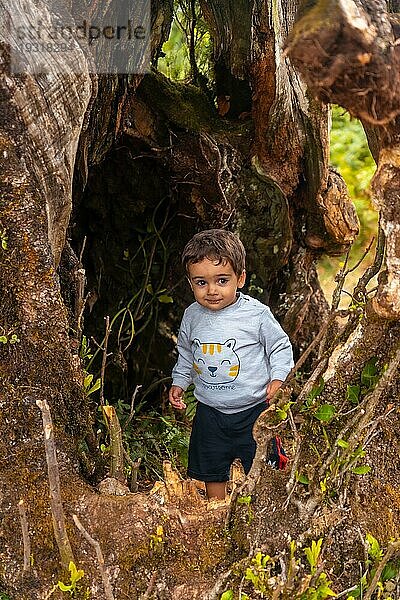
(104, 359)
(25, 535)
(57, 510)
(100, 558)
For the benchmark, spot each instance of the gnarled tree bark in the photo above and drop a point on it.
(265, 175)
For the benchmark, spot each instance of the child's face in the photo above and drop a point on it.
(214, 285)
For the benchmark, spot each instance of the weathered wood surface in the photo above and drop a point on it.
(348, 53)
(287, 212)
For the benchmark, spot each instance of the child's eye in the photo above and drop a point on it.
(200, 282)
(223, 281)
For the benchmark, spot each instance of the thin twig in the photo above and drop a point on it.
(365, 253)
(359, 290)
(340, 278)
(57, 510)
(135, 464)
(80, 301)
(150, 587)
(100, 558)
(82, 249)
(130, 417)
(291, 484)
(308, 386)
(308, 350)
(25, 535)
(104, 360)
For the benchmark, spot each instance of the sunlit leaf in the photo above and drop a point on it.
(361, 470)
(342, 443)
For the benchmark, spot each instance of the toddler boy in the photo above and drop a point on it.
(233, 350)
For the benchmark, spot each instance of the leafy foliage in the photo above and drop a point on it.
(350, 154)
(176, 63)
(264, 577)
(154, 437)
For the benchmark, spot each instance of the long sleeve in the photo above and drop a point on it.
(277, 346)
(182, 371)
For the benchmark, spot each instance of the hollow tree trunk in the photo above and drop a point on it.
(171, 544)
(261, 169)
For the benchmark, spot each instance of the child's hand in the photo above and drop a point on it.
(272, 388)
(175, 397)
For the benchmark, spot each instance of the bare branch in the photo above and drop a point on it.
(57, 510)
(129, 419)
(25, 535)
(104, 360)
(100, 558)
(150, 587)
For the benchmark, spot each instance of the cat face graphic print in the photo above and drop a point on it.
(215, 362)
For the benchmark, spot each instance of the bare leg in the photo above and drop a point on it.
(216, 489)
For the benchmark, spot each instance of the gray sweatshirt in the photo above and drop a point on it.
(231, 354)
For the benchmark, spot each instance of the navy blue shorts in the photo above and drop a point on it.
(217, 439)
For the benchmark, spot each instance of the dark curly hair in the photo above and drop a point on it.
(215, 244)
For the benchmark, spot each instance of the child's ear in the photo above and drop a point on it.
(242, 279)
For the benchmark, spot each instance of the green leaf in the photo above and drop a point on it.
(76, 574)
(312, 553)
(342, 443)
(323, 589)
(165, 299)
(374, 548)
(63, 587)
(149, 288)
(316, 390)
(369, 373)
(361, 470)
(325, 412)
(282, 414)
(88, 380)
(353, 393)
(390, 571)
(96, 386)
(228, 595)
(301, 478)
(359, 452)
(250, 575)
(3, 339)
(244, 500)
